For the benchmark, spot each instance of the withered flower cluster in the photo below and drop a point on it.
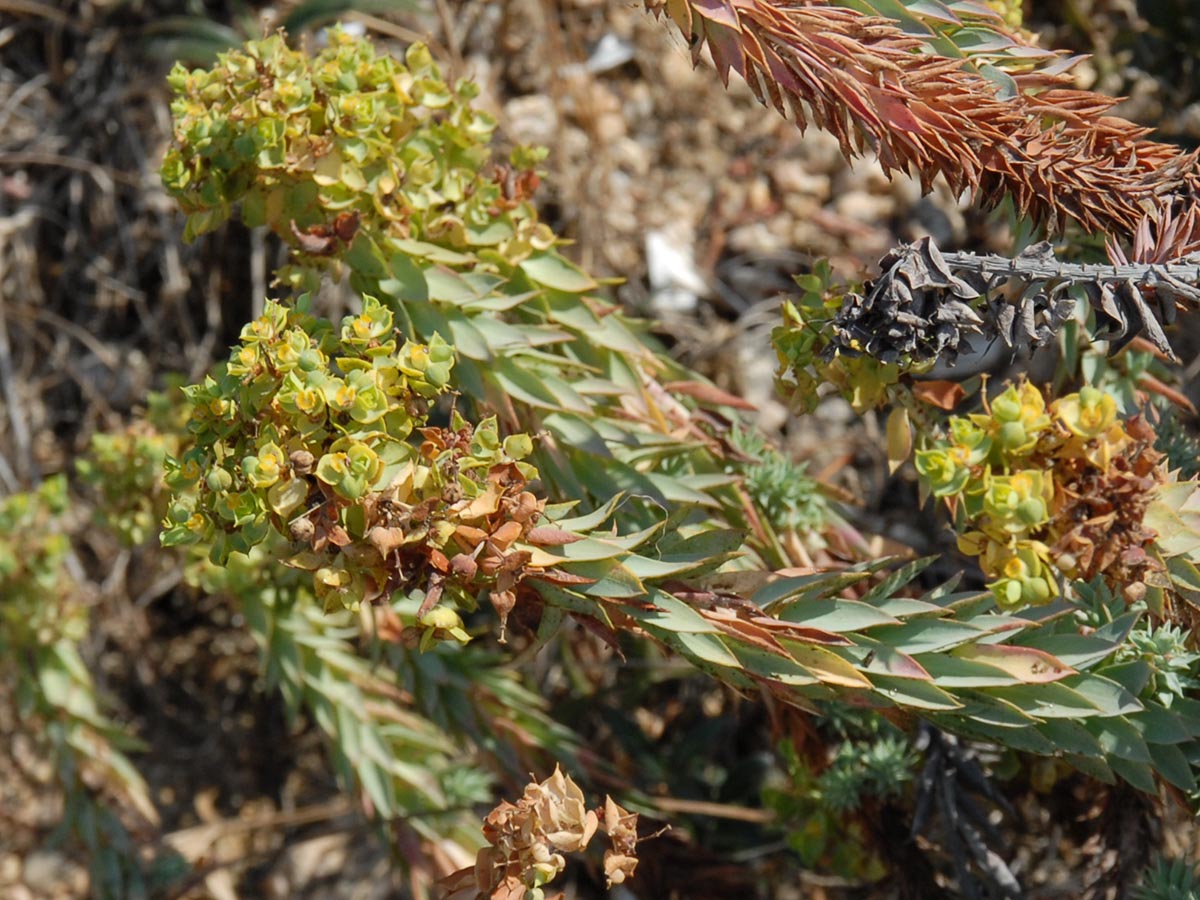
(1100, 510)
(921, 309)
(449, 521)
(528, 839)
(926, 302)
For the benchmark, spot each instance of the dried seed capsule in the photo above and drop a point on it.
(302, 462)
(302, 530)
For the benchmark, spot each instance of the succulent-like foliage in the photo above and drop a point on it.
(1169, 880)
(1181, 449)
(43, 617)
(379, 504)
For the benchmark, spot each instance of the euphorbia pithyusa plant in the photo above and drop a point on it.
(484, 423)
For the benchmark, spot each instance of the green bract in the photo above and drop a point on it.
(1024, 578)
(1014, 504)
(262, 470)
(1017, 417)
(1088, 414)
(945, 469)
(350, 468)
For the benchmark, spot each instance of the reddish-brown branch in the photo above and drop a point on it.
(1055, 150)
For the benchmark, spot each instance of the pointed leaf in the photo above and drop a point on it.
(1119, 739)
(1049, 701)
(1071, 737)
(1159, 726)
(1026, 664)
(672, 614)
(927, 635)
(1173, 766)
(447, 286)
(553, 271)
(1188, 712)
(1107, 696)
(1133, 675)
(907, 608)
(405, 281)
(1093, 768)
(706, 647)
(952, 672)
(433, 252)
(468, 340)
(741, 632)
(1077, 650)
(912, 693)
(896, 580)
(985, 708)
(611, 580)
(820, 583)
(835, 615)
(826, 665)
(1138, 774)
(773, 666)
(875, 657)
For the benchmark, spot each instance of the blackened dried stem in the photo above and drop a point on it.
(1182, 277)
(1120, 294)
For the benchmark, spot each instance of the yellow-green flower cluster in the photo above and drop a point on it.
(300, 142)
(997, 474)
(298, 398)
(125, 468)
(1011, 10)
(37, 604)
(313, 444)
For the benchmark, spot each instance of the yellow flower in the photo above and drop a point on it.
(343, 399)
(1088, 414)
(1021, 574)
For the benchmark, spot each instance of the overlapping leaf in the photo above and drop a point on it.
(1010, 127)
